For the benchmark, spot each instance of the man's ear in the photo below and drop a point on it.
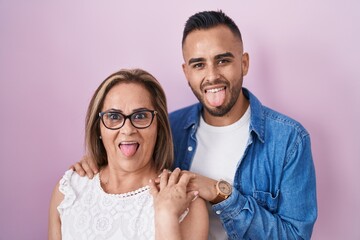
(184, 68)
(245, 63)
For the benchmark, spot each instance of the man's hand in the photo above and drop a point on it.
(85, 167)
(206, 186)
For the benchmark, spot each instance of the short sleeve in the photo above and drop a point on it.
(68, 191)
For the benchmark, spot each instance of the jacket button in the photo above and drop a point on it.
(190, 148)
(218, 212)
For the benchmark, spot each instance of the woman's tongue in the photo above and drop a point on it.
(128, 149)
(215, 97)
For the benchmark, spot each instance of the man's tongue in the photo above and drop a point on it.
(215, 97)
(128, 149)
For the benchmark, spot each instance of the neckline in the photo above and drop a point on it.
(243, 121)
(136, 192)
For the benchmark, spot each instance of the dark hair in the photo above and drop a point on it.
(209, 19)
(163, 152)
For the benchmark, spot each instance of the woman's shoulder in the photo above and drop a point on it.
(72, 179)
(71, 185)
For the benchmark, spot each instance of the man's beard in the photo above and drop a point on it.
(223, 109)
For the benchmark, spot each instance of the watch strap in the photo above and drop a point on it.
(220, 195)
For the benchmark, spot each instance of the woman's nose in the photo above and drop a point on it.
(127, 128)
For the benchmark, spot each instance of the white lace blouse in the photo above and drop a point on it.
(87, 212)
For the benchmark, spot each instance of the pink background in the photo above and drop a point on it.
(53, 54)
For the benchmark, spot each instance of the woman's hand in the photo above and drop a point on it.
(171, 200)
(206, 186)
(171, 196)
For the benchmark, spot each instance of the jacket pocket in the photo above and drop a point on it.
(267, 199)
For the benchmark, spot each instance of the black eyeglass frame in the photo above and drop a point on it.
(153, 113)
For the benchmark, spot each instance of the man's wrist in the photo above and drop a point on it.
(223, 191)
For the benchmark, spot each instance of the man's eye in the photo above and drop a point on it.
(222, 61)
(198, 65)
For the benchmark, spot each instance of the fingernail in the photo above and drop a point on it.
(196, 193)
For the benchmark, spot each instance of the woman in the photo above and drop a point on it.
(128, 136)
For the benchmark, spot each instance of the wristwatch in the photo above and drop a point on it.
(223, 191)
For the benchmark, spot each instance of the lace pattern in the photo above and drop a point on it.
(69, 193)
(87, 212)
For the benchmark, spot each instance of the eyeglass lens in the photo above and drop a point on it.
(115, 120)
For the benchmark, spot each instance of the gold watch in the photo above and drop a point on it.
(223, 191)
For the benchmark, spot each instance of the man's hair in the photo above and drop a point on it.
(209, 19)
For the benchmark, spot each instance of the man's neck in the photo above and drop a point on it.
(236, 112)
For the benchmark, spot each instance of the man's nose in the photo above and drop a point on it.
(212, 73)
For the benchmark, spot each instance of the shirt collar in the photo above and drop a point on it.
(257, 121)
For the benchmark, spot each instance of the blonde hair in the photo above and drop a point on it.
(163, 152)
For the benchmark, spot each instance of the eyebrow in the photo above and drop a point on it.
(195, 60)
(134, 110)
(217, 57)
(224, 55)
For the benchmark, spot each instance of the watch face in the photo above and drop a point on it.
(225, 187)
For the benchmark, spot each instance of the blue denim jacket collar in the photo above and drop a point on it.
(257, 121)
(193, 118)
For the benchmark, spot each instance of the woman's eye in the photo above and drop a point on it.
(114, 116)
(140, 116)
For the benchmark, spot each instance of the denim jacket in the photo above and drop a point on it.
(274, 189)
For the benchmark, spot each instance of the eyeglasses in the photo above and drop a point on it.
(115, 120)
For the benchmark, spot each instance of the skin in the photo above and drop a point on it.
(171, 191)
(123, 173)
(54, 225)
(213, 58)
(127, 173)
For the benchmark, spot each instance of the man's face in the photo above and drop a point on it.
(214, 67)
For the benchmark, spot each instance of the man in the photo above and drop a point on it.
(253, 165)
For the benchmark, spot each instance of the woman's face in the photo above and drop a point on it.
(129, 149)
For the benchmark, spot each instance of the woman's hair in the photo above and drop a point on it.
(163, 152)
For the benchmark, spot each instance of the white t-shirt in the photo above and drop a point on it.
(219, 152)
